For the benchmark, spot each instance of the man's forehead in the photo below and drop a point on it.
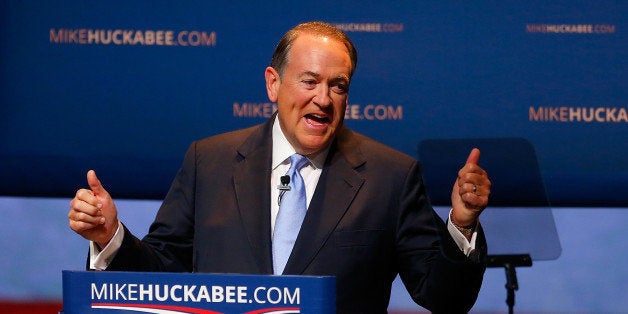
(311, 43)
(313, 37)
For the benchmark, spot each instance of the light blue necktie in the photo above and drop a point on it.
(291, 213)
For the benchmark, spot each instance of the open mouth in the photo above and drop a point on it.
(317, 119)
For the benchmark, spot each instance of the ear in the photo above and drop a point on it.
(272, 83)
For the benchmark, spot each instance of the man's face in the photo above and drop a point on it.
(312, 95)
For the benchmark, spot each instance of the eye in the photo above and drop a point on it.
(340, 88)
(309, 83)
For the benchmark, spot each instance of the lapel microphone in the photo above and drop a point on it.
(285, 180)
(283, 187)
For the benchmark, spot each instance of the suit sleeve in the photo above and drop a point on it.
(433, 269)
(168, 245)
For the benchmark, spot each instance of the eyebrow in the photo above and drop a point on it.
(341, 77)
(310, 73)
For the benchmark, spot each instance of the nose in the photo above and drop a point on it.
(322, 97)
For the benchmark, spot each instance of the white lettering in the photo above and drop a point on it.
(203, 294)
(230, 294)
(99, 294)
(374, 112)
(242, 295)
(146, 292)
(163, 297)
(188, 293)
(173, 293)
(132, 291)
(578, 114)
(88, 36)
(120, 292)
(193, 293)
(273, 295)
(294, 298)
(256, 295)
(218, 294)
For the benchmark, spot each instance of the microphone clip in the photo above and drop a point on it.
(285, 181)
(283, 187)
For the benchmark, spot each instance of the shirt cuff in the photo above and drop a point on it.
(464, 245)
(100, 259)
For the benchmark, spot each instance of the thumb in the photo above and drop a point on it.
(474, 156)
(94, 183)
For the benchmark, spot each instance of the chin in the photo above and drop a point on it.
(311, 147)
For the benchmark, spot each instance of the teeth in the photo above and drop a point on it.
(317, 117)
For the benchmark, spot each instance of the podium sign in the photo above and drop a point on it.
(174, 293)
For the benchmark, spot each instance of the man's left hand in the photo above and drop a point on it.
(470, 193)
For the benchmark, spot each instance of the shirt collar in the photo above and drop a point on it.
(282, 149)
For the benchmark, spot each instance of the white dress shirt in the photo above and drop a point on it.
(282, 150)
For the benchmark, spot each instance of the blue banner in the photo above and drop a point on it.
(124, 87)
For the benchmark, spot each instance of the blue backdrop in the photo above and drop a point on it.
(124, 87)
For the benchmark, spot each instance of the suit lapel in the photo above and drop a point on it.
(337, 187)
(251, 181)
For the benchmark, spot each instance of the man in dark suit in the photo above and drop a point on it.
(368, 217)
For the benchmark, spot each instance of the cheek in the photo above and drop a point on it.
(339, 109)
(293, 101)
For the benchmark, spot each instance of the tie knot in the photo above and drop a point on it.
(298, 161)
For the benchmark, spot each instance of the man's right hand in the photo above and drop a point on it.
(93, 214)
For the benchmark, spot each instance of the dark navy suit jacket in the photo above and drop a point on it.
(369, 220)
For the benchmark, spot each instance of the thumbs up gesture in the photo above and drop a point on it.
(470, 193)
(93, 215)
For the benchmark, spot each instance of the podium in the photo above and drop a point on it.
(178, 293)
